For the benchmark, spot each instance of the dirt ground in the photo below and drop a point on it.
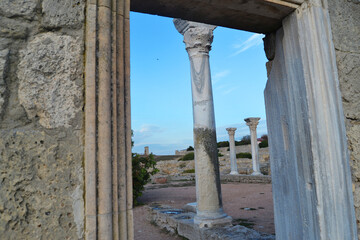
(250, 205)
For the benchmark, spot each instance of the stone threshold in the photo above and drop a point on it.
(181, 222)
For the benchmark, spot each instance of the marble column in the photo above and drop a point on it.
(252, 123)
(233, 163)
(198, 38)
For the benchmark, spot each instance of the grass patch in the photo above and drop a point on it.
(189, 171)
(187, 157)
(182, 165)
(244, 155)
(244, 222)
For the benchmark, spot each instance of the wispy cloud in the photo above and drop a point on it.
(219, 75)
(226, 92)
(145, 128)
(252, 41)
(146, 131)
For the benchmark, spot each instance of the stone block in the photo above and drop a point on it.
(10, 28)
(4, 57)
(353, 134)
(41, 193)
(51, 80)
(160, 180)
(345, 20)
(10, 8)
(65, 13)
(349, 71)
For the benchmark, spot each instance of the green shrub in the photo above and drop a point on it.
(263, 144)
(187, 157)
(220, 155)
(264, 137)
(244, 155)
(143, 167)
(190, 148)
(223, 144)
(264, 141)
(189, 171)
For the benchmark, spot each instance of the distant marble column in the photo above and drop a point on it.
(252, 123)
(233, 163)
(198, 38)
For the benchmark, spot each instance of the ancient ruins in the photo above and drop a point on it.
(65, 146)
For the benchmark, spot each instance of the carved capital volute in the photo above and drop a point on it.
(197, 36)
(231, 131)
(252, 123)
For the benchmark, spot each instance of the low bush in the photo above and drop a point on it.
(187, 157)
(263, 144)
(220, 155)
(143, 167)
(223, 144)
(245, 140)
(190, 148)
(244, 155)
(189, 171)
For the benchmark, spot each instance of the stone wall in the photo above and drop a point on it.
(345, 24)
(41, 119)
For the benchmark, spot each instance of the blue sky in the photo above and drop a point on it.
(160, 83)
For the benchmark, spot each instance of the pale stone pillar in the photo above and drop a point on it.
(198, 38)
(108, 157)
(252, 123)
(311, 177)
(233, 163)
(146, 150)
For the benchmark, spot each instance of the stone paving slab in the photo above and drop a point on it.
(181, 222)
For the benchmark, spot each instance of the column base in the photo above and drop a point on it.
(210, 223)
(190, 207)
(256, 174)
(234, 173)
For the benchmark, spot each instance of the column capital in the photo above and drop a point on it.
(231, 131)
(197, 36)
(252, 122)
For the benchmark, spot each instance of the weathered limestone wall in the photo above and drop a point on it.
(41, 119)
(345, 24)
